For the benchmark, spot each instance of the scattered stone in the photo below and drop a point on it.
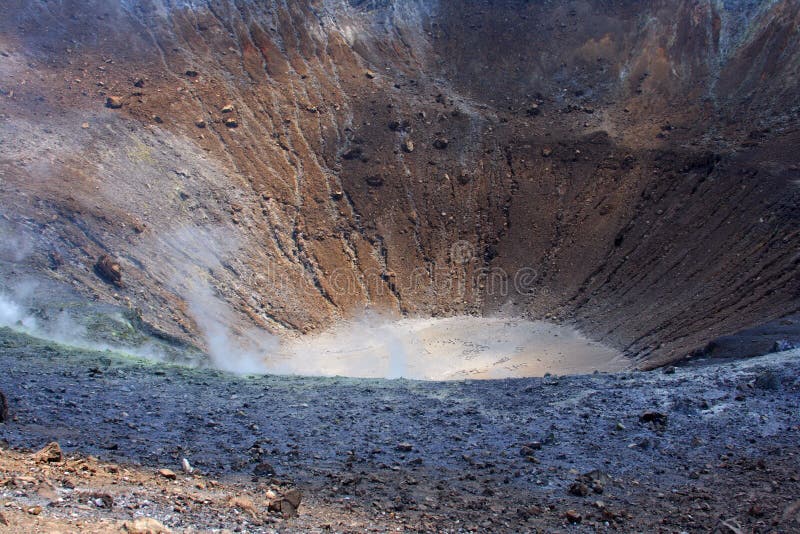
(230, 122)
(227, 109)
(286, 504)
(109, 270)
(547, 151)
(729, 526)
(354, 153)
(408, 146)
(369, 74)
(374, 181)
(656, 419)
(441, 143)
(114, 102)
(573, 517)
(145, 525)
(186, 466)
(579, 489)
(200, 123)
(51, 453)
(3, 408)
(263, 469)
(168, 474)
(593, 481)
(768, 380)
(103, 500)
(404, 447)
(244, 504)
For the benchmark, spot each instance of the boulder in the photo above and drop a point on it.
(286, 504)
(51, 453)
(109, 270)
(169, 474)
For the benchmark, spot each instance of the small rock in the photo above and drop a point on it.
(227, 109)
(768, 380)
(109, 270)
(669, 370)
(85, 125)
(145, 525)
(51, 453)
(35, 510)
(230, 122)
(408, 146)
(369, 74)
(657, 419)
(168, 474)
(441, 143)
(404, 447)
(103, 500)
(187, 467)
(354, 153)
(200, 123)
(547, 151)
(114, 102)
(294, 497)
(263, 470)
(192, 73)
(337, 195)
(533, 110)
(286, 504)
(579, 489)
(572, 516)
(244, 504)
(374, 181)
(139, 83)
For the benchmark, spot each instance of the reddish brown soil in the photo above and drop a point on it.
(650, 194)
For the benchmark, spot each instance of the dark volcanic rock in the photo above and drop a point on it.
(109, 270)
(3, 408)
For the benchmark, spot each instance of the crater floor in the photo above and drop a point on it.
(690, 450)
(450, 348)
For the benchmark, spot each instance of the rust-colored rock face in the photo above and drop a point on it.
(629, 166)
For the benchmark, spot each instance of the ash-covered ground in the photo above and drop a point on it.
(712, 446)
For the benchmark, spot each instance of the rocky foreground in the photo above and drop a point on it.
(712, 446)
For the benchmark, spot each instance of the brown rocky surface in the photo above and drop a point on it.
(634, 160)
